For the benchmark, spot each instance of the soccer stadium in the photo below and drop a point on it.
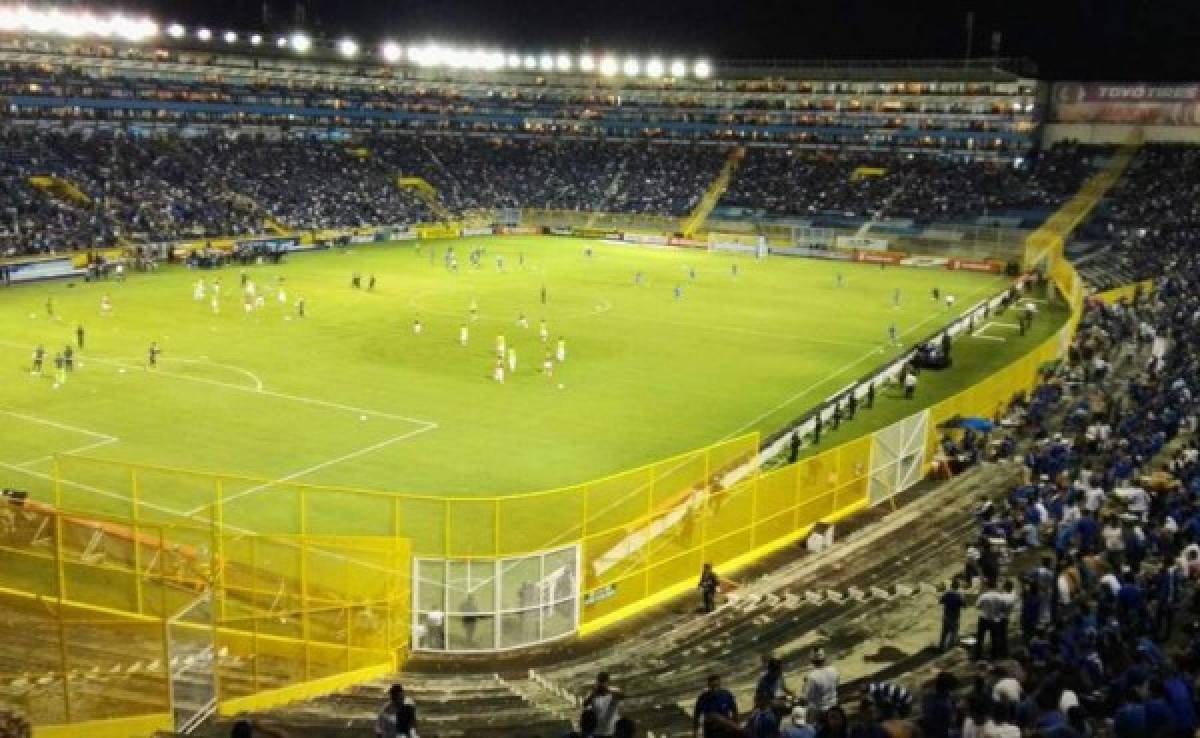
(363, 386)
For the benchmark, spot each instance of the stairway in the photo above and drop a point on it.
(243, 202)
(427, 193)
(61, 189)
(704, 208)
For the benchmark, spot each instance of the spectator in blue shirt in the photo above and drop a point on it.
(715, 700)
(952, 605)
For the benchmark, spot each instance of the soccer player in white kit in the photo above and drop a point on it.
(949, 301)
(215, 303)
(282, 296)
(548, 366)
(522, 321)
(501, 346)
(512, 361)
(561, 352)
(198, 290)
(544, 331)
(498, 371)
(105, 306)
(463, 335)
(417, 327)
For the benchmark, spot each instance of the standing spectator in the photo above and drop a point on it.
(602, 703)
(797, 726)
(952, 604)
(772, 685)
(713, 701)
(762, 722)
(709, 585)
(821, 685)
(398, 718)
(833, 724)
(939, 712)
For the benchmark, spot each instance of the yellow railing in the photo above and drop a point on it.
(279, 616)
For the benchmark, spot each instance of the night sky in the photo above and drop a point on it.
(1067, 39)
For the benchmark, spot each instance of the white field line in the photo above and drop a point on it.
(258, 383)
(77, 450)
(105, 493)
(317, 467)
(104, 438)
(842, 370)
(254, 391)
(1004, 324)
(60, 426)
(980, 333)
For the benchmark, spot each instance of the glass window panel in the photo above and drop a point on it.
(431, 585)
(471, 632)
(519, 628)
(518, 582)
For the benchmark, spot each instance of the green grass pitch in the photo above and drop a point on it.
(349, 395)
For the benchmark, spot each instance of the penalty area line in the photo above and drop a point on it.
(318, 467)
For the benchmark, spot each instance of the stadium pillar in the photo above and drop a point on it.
(57, 474)
(496, 528)
(305, 624)
(137, 538)
(60, 617)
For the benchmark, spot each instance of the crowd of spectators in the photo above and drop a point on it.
(925, 189)
(1084, 572)
(558, 174)
(1150, 216)
(158, 189)
(163, 188)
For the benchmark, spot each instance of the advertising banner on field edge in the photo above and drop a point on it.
(879, 257)
(36, 269)
(646, 239)
(974, 265)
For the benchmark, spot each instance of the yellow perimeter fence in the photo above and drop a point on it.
(137, 613)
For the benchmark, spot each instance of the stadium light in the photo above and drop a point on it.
(70, 23)
(204, 34)
(391, 52)
(563, 63)
(530, 62)
(255, 39)
(514, 61)
(702, 69)
(630, 67)
(608, 66)
(546, 63)
(175, 30)
(281, 42)
(654, 68)
(348, 47)
(301, 43)
(587, 63)
(678, 68)
(230, 37)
